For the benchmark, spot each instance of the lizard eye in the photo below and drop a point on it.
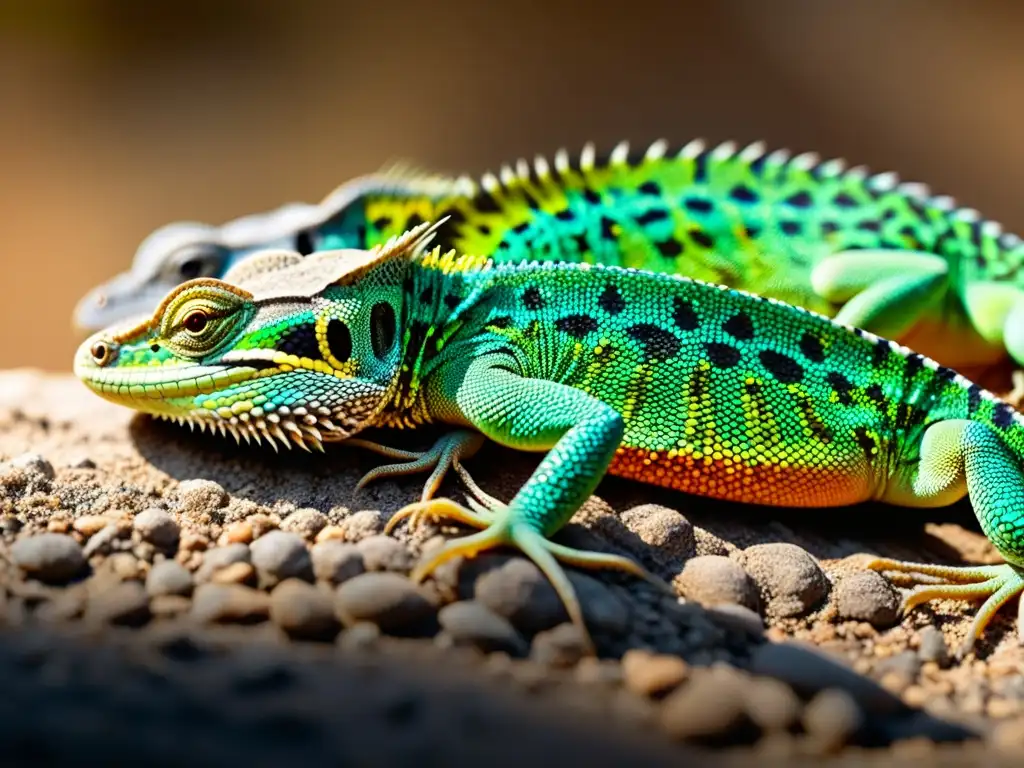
(198, 260)
(196, 321)
(101, 353)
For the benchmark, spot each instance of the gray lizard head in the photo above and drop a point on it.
(183, 251)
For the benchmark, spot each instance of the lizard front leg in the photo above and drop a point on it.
(958, 456)
(580, 434)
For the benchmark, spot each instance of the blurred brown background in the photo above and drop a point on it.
(118, 117)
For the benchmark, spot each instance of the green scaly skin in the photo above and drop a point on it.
(871, 251)
(664, 380)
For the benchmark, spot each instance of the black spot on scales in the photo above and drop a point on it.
(698, 205)
(702, 238)
(722, 355)
(739, 326)
(659, 344)
(841, 386)
(784, 368)
(799, 200)
(532, 299)
(301, 341)
(649, 188)
(611, 300)
(743, 194)
(811, 347)
(576, 326)
(866, 442)
(339, 340)
(669, 248)
(652, 216)
(1002, 415)
(973, 399)
(684, 315)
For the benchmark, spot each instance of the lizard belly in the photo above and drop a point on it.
(734, 479)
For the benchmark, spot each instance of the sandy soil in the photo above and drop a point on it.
(175, 596)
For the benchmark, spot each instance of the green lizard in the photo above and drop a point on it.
(665, 380)
(873, 252)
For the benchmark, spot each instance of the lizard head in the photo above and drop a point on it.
(284, 348)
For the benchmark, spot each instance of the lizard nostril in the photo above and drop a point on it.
(101, 353)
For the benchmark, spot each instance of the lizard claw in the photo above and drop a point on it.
(997, 583)
(503, 529)
(447, 453)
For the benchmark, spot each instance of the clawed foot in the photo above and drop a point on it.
(447, 453)
(500, 527)
(997, 583)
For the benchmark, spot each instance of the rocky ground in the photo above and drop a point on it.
(170, 598)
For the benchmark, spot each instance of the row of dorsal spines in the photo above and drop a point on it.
(764, 163)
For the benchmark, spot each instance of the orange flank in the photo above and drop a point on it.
(734, 479)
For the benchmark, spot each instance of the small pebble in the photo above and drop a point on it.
(238, 532)
(221, 557)
(201, 500)
(771, 704)
(236, 573)
(169, 606)
(335, 561)
(561, 647)
(303, 611)
(33, 464)
(383, 553)
(54, 558)
(933, 646)
(157, 527)
(467, 622)
(519, 591)
(87, 525)
(168, 578)
(664, 530)
(307, 523)
(708, 708)
(229, 603)
(714, 579)
(831, 718)
(280, 555)
(362, 524)
(123, 604)
(102, 542)
(867, 596)
(83, 463)
(905, 665)
(359, 637)
(331, 533)
(790, 581)
(389, 600)
(652, 674)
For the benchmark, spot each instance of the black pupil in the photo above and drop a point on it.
(191, 268)
(382, 328)
(195, 322)
(304, 243)
(99, 350)
(339, 340)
